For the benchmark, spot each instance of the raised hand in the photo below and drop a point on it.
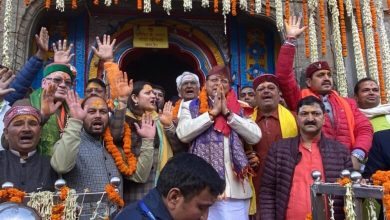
(166, 115)
(293, 26)
(105, 50)
(124, 86)
(42, 41)
(6, 77)
(62, 52)
(224, 108)
(48, 106)
(75, 109)
(147, 128)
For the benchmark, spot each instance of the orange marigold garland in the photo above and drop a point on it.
(343, 181)
(11, 195)
(234, 7)
(252, 7)
(58, 210)
(343, 29)
(139, 4)
(129, 165)
(114, 196)
(215, 6)
(175, 110)
(267, 8)
(382, 178)
(359, 24)
(74, 4)
(204, 101)
(306, 23)
(116, 2)
(287, 9)
(47, 4)
(96, 2)
(26, 2)
(322, 26)
(308, 216)
(378, 52)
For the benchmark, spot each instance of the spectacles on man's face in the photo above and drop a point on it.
(217, 80)
(57, 80)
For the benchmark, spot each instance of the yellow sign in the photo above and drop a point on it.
(150, 37)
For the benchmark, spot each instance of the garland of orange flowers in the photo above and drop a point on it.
(47, 4)
(267, 8)
(139, 4)
(359, 24)
(116, 2)
(343, 181)
(58, 210)
(309, 216)
(378, 52)
(215, 6)
(96, 2)
(26, 2)
(252, 7)
(204, 101)
(382, 178)
(306, 23)
(287, 9)
(74, 4)
(343, 29)
(11, 195)
(128, 166)
(175, 110)
(234, 7)
(114, 196)
(322, 27)
(157, 1)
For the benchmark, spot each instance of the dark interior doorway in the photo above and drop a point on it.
(159, 66)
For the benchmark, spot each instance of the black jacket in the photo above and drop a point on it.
(379, 155)
(153, 200)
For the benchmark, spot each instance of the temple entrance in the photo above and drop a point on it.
(159, 66)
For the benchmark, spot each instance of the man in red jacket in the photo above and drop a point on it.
(343, 120)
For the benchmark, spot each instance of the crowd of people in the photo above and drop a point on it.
(210, 155)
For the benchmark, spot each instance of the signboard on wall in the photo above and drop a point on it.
(150, 37)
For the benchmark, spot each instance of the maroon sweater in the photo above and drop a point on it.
(279, 172)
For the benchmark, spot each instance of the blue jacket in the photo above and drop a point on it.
(155, 204)
(24, 79)
(379, 156)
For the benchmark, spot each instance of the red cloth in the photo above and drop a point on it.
(299, 204)
(292, 94)
(220, 123)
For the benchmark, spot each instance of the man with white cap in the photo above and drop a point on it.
(188, 88)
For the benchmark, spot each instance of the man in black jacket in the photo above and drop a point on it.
(185, 190)
(285, 187)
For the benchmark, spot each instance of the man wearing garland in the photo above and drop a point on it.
(215, 128)
(20, 163)
(82, 158)
(275, 121)
(343, 120)
(368, 99)
(286, 181)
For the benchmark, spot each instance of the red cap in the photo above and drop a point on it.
(266, 77)
(312, 68)
(220, 70)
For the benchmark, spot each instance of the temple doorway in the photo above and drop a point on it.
(159, 66)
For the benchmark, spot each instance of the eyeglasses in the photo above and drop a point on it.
(216, 80)
(68, 83)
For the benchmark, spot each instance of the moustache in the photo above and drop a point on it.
(310, 123)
